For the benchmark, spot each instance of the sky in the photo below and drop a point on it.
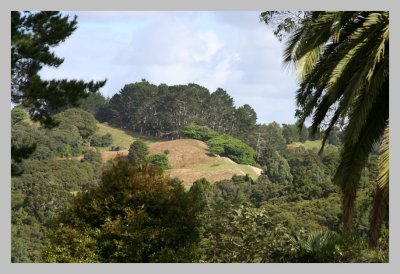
(231, 50)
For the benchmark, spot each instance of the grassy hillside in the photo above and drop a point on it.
(190, 161)
(189, 158)
(121, 137)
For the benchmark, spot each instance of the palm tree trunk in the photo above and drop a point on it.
(349, 197)
(381, 198)
(378, 211)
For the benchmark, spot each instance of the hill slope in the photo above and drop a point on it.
(190, 161)
(189, 158)
(121, 137)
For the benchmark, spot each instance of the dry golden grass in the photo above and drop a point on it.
(190, 161)
(184, 153)
(108, 155)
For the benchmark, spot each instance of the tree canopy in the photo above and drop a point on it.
(33, 34)
(135, 215)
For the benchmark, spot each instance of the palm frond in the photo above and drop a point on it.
(343, 64)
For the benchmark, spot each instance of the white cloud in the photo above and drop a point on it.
(208, 46)
(231, 50)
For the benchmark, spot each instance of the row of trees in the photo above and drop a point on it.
(164, 110)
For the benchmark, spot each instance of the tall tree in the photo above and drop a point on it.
(290, 133)
(343, 63)
(272, 135)
(221, 111)
(245, 121)
(33, 34)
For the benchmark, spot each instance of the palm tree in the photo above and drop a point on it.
(381, 199)
(342, 59)
(314, 247)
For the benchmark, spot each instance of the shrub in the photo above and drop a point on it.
(101, 141)
(223, 145)
(138, 152)
(82, 120)
(232, 148)
(160, 160)
(202, 133)
(92, 155)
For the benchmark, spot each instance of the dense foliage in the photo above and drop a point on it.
(274, 228)
(271, 218)
(70, 138)
(101, 140)
(134, 215)
(223, 145)
(160, 160)
(275, 166)
(41, 193)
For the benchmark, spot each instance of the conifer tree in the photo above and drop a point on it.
(33, 34)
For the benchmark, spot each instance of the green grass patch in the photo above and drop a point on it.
(121, 137)
(226, 164)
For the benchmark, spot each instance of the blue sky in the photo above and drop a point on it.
(230, 50)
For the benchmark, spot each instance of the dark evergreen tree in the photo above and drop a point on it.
(33, 34)
(245, 124)
(221, 111)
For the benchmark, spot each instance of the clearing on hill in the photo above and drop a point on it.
(190, 161)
